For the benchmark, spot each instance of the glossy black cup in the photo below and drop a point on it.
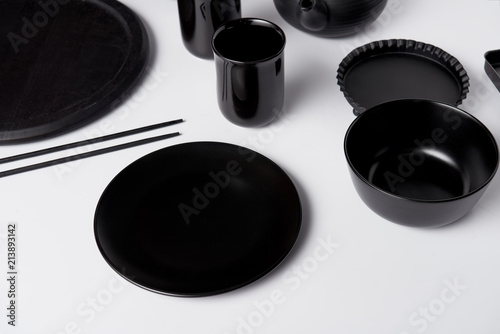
(420, 163)
(200, 18)
(249, 59)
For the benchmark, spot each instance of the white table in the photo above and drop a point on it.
(351, 271)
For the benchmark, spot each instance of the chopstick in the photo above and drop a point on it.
(88, 141)
(86, 155)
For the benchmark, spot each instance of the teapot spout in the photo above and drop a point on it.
(313, 14)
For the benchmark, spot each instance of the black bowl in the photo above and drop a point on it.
(420, 163)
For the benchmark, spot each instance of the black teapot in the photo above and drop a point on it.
(330, 18)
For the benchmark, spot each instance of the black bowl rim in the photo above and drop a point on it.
(443, 105)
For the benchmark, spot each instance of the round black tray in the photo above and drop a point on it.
(65, 63)
(398, 69)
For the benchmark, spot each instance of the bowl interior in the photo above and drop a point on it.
(421, 150)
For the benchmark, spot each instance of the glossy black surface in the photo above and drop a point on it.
(65, 63)
(420, 163)
(397, 69)
(198, 219)
(492, 66)
(200, 18)
(330, 18)
(249, 60)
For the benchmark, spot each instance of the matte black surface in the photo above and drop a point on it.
(64, 63)
(330, 18)
(390, 70)
(249, 60)
(245, 218)
(200, 18)
(492, 67)
(420, 163)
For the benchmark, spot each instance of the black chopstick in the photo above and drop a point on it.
(88, 141)
(86, 155)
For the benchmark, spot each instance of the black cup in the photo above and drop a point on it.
(249, 61)
(200, 18)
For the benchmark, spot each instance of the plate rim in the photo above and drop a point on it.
(102, 101)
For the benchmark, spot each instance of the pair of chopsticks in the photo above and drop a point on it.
(87, 142)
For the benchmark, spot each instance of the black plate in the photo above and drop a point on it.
(65, 63)
(197, 219)
(393, 69)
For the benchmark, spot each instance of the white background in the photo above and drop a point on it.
(381, 278)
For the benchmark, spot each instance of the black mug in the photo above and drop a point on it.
(249, 59)
(200, 18)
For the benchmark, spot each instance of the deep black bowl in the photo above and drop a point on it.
(420, 163)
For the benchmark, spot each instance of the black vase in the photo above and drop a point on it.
(200, 18)
(330, 18)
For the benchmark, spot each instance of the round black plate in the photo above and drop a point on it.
(64, 63)
(197, 219)
(390, 70)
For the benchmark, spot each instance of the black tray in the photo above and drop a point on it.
(492, 67)
(197, 219)
(65, 63)
(397, 69)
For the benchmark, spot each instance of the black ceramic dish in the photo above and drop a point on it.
(197, 219)
(330, 18)
(65, 63)
(398, 69)
(420, 163)
(492, 66)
